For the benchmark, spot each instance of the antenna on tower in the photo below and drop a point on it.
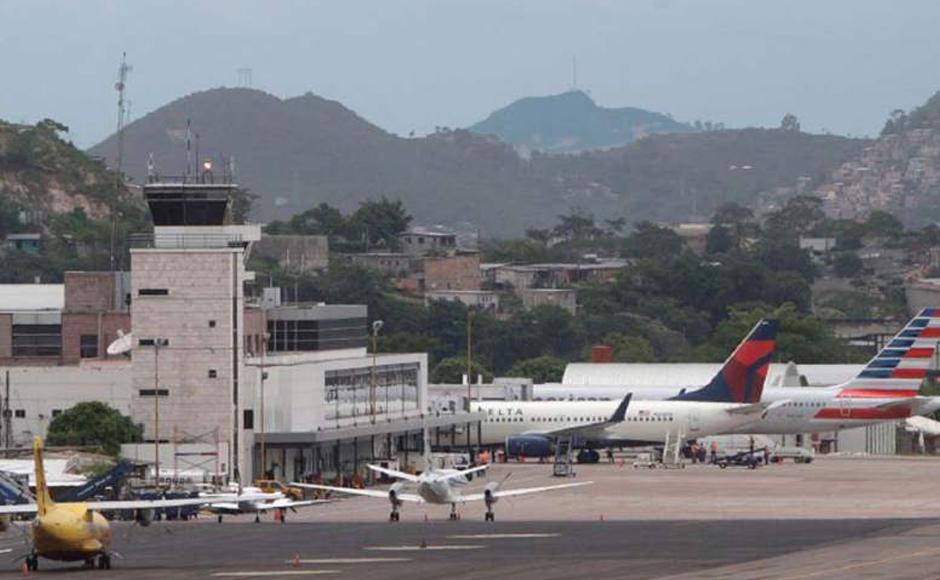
(244, 77)
(120, 87)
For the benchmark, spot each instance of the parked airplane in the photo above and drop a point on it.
(438, 486)
(885, 389)
(730, 400)
(76, 531)
(253, 500)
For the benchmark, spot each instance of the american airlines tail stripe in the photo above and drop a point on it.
(876, 394)
(889, 363)
(900, 343)
(920, 352)
(908, 373)
(914, 363)
(864, 413)
(932, 332)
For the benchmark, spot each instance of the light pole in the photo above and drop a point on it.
(376, 327)
(469, 355)
(157, 343)
(264, 376)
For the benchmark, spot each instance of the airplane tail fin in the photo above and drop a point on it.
(43, 500)
(741, 378)
(901, 366)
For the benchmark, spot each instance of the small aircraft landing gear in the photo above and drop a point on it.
(32, 562)
(220, 519)
(489, 516)
(454, 516)
(257, 519)
(394, 516)
(104, 562)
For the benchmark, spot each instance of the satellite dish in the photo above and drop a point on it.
(122, 345)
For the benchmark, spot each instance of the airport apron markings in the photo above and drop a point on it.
(424, 548)
(350, 561)
(247, 574)
(500, 536)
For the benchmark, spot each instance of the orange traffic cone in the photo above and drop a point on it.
(25, 569)
(296, 561)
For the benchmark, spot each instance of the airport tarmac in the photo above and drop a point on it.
(656, 524)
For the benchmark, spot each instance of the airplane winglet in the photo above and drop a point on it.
(621, 411)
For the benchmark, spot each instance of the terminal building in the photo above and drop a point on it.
(231, 381)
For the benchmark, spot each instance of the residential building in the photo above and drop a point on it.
(566, 299)
(479, 299)
(295, 253)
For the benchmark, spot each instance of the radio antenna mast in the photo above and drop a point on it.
(119, 86)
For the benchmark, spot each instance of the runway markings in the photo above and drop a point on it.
(247, 574)
(351, 561)
(500, 536)
(6, 550)
(424, 549)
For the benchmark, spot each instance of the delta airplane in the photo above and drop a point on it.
(440, 487)
(731, 401)
(76, 531)
(885, 389)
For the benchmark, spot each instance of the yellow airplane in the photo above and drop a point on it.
(76, 531)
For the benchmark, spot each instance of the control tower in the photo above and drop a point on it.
(187, 315)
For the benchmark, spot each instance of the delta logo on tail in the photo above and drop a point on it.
(900, 367)
(741, 378)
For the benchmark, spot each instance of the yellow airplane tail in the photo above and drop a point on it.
(43, 500)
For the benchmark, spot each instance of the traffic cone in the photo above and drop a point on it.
(25, 569)
(601, 518)
(296, 561)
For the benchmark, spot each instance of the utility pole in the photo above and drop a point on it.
(376, 326)
(264, 375)
(469, 355)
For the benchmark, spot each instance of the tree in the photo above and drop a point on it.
(847, 265)
(630, 348)
(883, 224)
(739, 221)
(322, 220)
(719, 240)
(379, 221)
(242, 201)
(577, 225)
(651, 241)
(94, 424)
(801, 338)
(790, 123)
(801, 215)
(542, 369)
(451, 370)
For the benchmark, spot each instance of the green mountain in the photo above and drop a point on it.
(571, 122)
(298, 152)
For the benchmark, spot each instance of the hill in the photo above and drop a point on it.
(298, 152)
(899, 172)
(49, 187)
(571, 122)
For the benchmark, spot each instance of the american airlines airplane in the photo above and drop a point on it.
(885, 389)
(728, 403)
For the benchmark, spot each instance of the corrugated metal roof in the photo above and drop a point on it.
(31, 297)
(691, 374)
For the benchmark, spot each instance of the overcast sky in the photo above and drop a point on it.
(839, 65)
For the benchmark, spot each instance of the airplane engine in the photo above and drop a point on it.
(393, 494)
(489, 493)
(143, 517)
(529, 445)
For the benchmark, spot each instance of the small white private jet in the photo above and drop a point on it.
(252, 500)
(440, 487)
